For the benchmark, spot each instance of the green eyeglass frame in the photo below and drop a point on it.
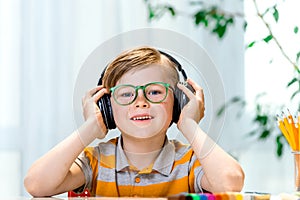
(143, 87)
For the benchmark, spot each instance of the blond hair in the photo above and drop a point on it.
(135, 59)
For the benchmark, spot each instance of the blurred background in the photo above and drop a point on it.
(43, 45)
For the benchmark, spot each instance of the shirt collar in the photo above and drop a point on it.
(121, 158)
(163, 164)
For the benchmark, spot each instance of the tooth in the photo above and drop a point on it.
(142, 118)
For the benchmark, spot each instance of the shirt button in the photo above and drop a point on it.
(137, 179)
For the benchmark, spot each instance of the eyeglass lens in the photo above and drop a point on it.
(126, 94)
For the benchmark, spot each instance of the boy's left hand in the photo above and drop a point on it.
(195, 108)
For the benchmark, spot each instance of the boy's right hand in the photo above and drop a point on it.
(92, 113)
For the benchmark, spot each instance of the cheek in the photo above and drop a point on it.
(168, 106)
(117, 110)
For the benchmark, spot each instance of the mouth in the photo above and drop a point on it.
(141, 118)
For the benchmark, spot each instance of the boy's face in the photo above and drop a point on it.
(143, 119)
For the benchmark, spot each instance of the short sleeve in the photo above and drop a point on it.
(84, 161)
(196, 173)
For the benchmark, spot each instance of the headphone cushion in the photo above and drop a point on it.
(104, 104)
(180, 100)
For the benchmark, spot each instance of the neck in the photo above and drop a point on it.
(141, 160)
(142, 152)
(142, 145)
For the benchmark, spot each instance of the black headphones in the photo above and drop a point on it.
(180, 99)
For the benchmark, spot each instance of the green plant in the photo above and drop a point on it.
(217, 21)
(211, 17)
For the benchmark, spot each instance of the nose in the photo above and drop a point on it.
(141, 101)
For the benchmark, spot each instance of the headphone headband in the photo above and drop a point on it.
(179, 67)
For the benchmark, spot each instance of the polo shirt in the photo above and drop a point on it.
(108, 173)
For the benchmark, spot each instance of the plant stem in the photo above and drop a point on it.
(274, 38)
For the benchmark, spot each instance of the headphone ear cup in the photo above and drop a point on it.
(106, 111)
(180, 100)
(176, 107)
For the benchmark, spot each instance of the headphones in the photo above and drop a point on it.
(180, 98)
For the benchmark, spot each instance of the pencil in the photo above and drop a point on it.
(284, 131)
(293, 130)
(290, 128)
(287, 124)
(299, 129)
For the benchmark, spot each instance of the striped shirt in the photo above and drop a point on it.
(108, 173)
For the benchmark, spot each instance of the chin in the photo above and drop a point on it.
(143, 133)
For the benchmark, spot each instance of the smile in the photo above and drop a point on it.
(142, 118)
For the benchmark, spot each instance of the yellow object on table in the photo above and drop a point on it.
(290, 128)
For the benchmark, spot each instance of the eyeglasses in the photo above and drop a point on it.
(154, 92)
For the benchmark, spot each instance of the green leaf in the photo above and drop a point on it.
(294, 94)
(298, 56)
(261, 119)
(258, 108)
(220, 30)
(296, 29)
(245, 25)
(294, 80)
(229, 21)
(236, 99)
(264, 134)
(221, 110)
(251, 44)
(271, 61)
(193, 3)
(260, 95)
(171, 10)
(151, 12)
(233, 101)
(266, 11)
(268, 38)
(279, 144)
(251, 133)
(276, 14)
(200, 16)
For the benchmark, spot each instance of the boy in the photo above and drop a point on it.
(141, 161)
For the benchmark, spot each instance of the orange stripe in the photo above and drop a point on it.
(108, 161)
(155, 190)
(184, 159)
(107, 189)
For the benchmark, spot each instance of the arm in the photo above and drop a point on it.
(56, 172)
(221, 172)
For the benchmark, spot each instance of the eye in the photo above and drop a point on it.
(154, 92)
(126, 94)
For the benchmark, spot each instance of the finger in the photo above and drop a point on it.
(198, 90)
(186, 90)
(93, 91)
(90, 93)
(199, 95)
(99, 94)
(193, 83)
